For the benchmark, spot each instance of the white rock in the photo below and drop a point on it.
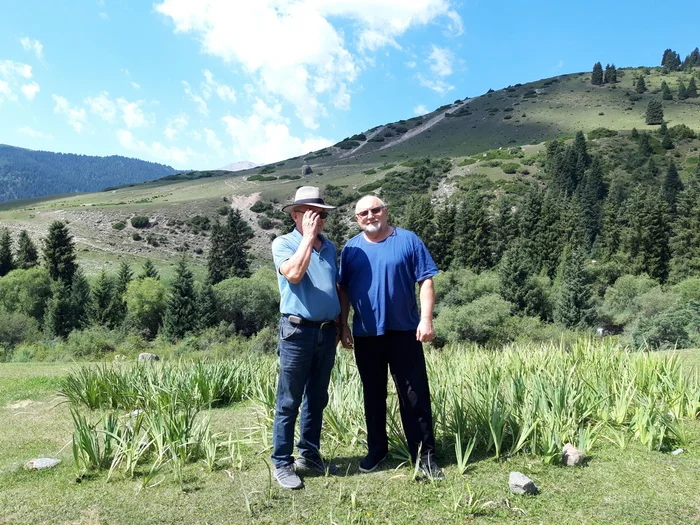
(41, 463)
(519, 483)
(571, 456)
(677, 451)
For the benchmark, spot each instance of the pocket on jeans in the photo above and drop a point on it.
(287, 329)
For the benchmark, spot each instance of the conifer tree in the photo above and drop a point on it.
(7, 263)
(80, 301)
(666, 91)
(692, 60)
(418, 215)
(641, 86)
(655, 112)
(59, 253)
(590, 196)
(647, 234)
(102, 297)
(597, 75)
(117, 308)
(471, 245)
(58, 315)
(652, 171)
(685, 243)
(181, 313)
(148, 270)
(515, 283)
(634, 134)
(671, 61)
(505, 228)
(336, 229)
(610, 74)
(27, 254)
(645, 149)
(671, 187)
(667, 142)
(692, 89)
(663, 129)
(228, 254)
(572, 307)
(441, 242)
(206, 307)
(216, 265)
(682, 90)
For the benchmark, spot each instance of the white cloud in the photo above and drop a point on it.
(264, 137)
(135, 85)
(440, 61)
(155, 150)
(31, 132)
(213, 142)
(132, 114)
(104, 16)
(290, 47)
(439, 86)
(224, 92)
(6, 91)
(410, 64)
(30, 90)
(420, 110)
(197, 99)
(11, 69)
(102, 106)
(33, 46)
(77, 117)
(456, 27)
(175, 126)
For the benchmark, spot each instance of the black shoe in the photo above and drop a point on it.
(371, 461)
(431, 470)
(318, 465)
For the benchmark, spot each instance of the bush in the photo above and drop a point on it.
(223, 210)
(139, 221)
(118, 225)
(455, 288)
(483, 321)
(248, 305)
(16, 328)
(265, 223)
(26, 292)
(600, 133)
(620, 303)
(145, 302)
(92, 343)
(510, 167)
(675, 327)
(266, 170)
(136, 236)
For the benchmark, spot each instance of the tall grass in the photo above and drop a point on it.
(523, 399)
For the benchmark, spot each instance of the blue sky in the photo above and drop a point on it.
(203, 83)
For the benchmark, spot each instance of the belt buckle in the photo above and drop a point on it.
(324, 323)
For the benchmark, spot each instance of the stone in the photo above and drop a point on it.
(306, 170)
(571, 456)
(41, 463)
(677, 451)
(519, 483)
(147, 356)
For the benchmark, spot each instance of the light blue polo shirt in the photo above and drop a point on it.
(314, 297)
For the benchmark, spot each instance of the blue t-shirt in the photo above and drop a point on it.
(314, 297)
(381, 281)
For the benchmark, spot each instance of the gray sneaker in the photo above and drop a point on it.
(319, 466)
(431, 470)
(287, 478)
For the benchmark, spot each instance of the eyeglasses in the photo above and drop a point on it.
(375, 211)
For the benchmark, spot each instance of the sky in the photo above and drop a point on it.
(200, 84)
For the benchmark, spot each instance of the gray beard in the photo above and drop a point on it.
(373, 228)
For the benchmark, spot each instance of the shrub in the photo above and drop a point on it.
(91, 343)
(510, 167)
(482, 321)
(265, 223)
(675, 327)
(267, 170)
(26, 292)
(260, 206)
(140, 221)
(291, 177)
(248, 305)
(600, 133)
(145, 303)
(16, 328)
(261, 178)
(223, 210)
(118, 225)
(199, 223)
(136, 236)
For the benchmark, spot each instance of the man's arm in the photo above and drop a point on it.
(295, 267)
(345, 333)
(425, 332)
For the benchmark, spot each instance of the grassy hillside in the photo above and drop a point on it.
(469, 133)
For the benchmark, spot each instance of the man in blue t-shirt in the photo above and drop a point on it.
(307, 275)
(379, 269)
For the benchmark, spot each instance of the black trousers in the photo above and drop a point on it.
(403, 355)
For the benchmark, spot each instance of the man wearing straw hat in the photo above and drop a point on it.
(307, 274)
(379, 269)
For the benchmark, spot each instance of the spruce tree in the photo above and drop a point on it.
(7, 263)
(59, 253)
(58, 316)
(516, 285)
(655, 112)
(572, 307)
(102, 297)
(682, 90)
(647, 234)
(181, 313)
(671, 61)
(634, 134)
(590, 196)
(505, 228)
(645, 149)
(671, 187)
(667, 142)
(228, 253)
(206, 307)
(336, 229)
(216, 265)
(148, 270)
(471, 245)
(597, 75)
(117, 308)
(692, 89)
(685, 243)
(666, 91)
(641, 86)
(418, 215)
(27, 254)
(440, 243)
(80, 301)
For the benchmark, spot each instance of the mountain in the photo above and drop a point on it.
(239, 166)
(26, 173)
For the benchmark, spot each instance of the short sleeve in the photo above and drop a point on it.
(281, 251)
(342, 269)
(423, 265)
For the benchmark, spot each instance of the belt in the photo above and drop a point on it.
(323, 325)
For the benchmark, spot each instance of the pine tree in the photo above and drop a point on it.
(692, 89)
(666, 91)
(667, 142)
(418, 215)
(685, 243)
(641, 86)
(515, 283)
(572, 307)
(692, 60)
(27, 254)
(228, 254)
(148, 270)
(181, 313)
(206, 307)
(440, 243)
(80, 301)
(652, 170)
(590, 196)
(472, 233)
(102, 297)
(597, 75)
(505, 228)
(59, 253)
(682, 90)
(610, 74)
(671, 187)
(336, 229)
(645, 149)
(7, 263)
(671, 61)
(655, 112)
(216, 265)
(58, 315)
(647, 234)
(117, 308)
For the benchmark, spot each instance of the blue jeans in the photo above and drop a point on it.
(307, 355)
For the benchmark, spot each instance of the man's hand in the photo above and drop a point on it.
(311, 224)
(346, 337)
(425, 332)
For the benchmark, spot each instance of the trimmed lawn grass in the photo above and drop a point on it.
(615, 486)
